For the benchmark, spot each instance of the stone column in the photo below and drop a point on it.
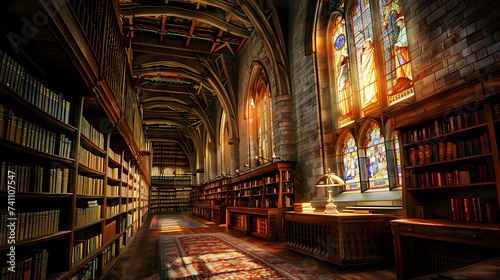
(234, 151)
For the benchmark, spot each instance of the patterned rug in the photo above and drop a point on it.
(173, 222)
(221, 256)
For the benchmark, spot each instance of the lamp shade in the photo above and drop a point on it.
(330, 180)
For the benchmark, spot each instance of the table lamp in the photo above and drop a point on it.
(329, 181)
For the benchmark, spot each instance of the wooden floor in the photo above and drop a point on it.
(140, 260)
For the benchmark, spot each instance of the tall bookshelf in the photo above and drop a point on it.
(450, 184)
(259, 199)
(75, 210)
(211, 198)
(170, 199)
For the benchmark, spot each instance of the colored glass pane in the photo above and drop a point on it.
(398, 158)
(342, 73)
(364, 47)
(376, 159)
(350, 161)
(396, 56)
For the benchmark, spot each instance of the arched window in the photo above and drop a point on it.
(263, 104)
(375, 158)
(398, 74)
(365, 55)
(351, 165)
(342, 73)
(398, 158)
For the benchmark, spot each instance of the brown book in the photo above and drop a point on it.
(19, 130)
(449, 150)
(427, 151)
(11, 126)
(421, 155)
(2, 120)
(442, 151)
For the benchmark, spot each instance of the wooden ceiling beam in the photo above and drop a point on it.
(191, 30)
(163, 21)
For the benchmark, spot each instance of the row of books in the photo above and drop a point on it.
(449, 150)
(29, 225)
(13, 75)
(87, 212)
(90, 160)
(287, 187)
(28, 134)
(125, 222)
(90, 185)
(109, 253)
(88, 272)
(32, 266)
(481, 173)
(112, 190)
(116, 157)
(22, 177)
(112, 210)
(58, 180)
(287, 175)
(113, 173)
(92, 134)
(83, 248)
(287, 201)
(476, 209)
(448, 124)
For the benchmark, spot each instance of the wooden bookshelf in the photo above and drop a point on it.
(40, 188)
(170, 198)
(451, 187)
(259, 199)
(211, 198)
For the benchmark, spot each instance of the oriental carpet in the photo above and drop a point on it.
(221, 256)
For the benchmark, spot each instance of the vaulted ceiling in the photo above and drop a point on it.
(177, 65)
(183, 57)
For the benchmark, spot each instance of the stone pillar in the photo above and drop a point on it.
(283, 128)
(234, 151)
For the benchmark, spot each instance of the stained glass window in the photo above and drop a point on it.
(375, 158)
(342, 75)
(265, 124)
(365, 60)
(398, 158)
(398, 76)
(350, 161)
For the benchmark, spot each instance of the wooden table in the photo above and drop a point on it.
(343, 239)
(485, 270)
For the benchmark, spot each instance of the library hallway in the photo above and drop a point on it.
(141, 259)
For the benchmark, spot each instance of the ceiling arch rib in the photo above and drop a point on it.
(199, 15)
(169, 104)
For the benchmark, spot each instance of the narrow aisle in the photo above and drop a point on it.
(141, 260)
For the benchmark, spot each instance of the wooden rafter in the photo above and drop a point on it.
(163, 21)
(217, 39)
(131, 22)
(191, 30)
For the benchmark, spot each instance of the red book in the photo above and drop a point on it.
(480, 173)
(468, 210)
(453, 209)
(474, 209)
(485, 174)
(427, 151)
(421, 155)
(438, 179)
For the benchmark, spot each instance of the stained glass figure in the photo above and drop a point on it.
(397, 65)
(376, 159)
(342, 73)
(364, 47)
(350, 161)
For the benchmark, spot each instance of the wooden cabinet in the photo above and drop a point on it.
(450, 164)
(170, 199)
(343, 239)
(259, 198)
(211, 198)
